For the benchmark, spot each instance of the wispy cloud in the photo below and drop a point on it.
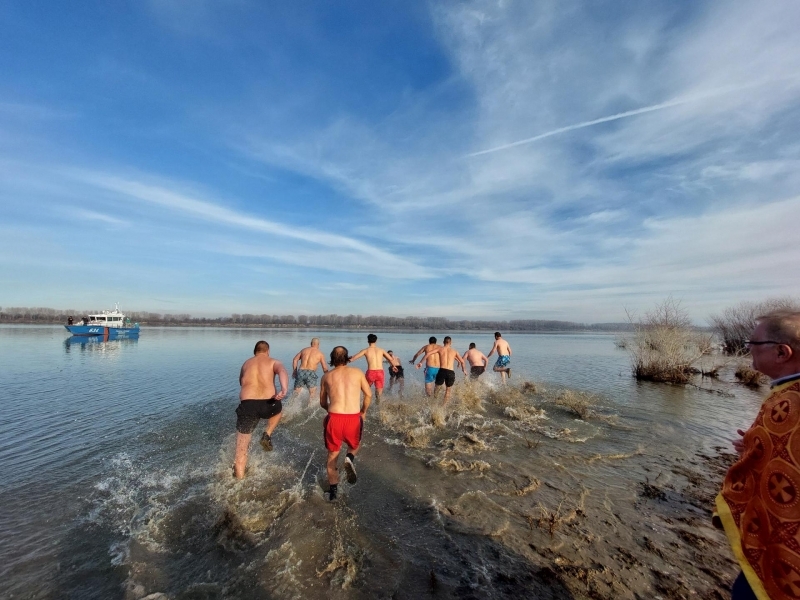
(386, 263)
(90, 215)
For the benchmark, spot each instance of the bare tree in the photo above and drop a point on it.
(735, 324)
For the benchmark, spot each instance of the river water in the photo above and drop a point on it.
(115, 476)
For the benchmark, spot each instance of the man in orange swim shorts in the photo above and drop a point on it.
(375, 356)
(340, 395)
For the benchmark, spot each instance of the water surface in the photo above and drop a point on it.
(115, 468)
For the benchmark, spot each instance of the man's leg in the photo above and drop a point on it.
(436, 391)
(240, 462)
(272, 423)
(333, 471)
(447, 391)
(378, 393)
(402, 385)
(429, 389)
(312, 395)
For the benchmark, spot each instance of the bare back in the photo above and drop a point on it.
(310, 359)
(257, 377)
(502, 347)
(374, 356)
(432, 359)
(476, 358)
(341, 390)
(448, 355)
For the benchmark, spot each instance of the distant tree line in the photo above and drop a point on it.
(50, 315)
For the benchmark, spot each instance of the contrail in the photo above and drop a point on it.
(631, 113)
(622, 115)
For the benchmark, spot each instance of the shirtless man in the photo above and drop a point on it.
(306, 377)
(340, 395)
(375, 356)
(503, 363)
(432, 364)
(477, 361)
(258, 400)
(396, 373)
(446, 376)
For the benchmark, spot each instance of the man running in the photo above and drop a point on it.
(431, 364)
(396, 373)
(374, 356)
(503, 364)
(306, 376)
(477, 361)
(446, 376)
(258, 400)
(340, 395)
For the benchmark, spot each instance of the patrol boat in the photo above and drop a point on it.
(108, 325)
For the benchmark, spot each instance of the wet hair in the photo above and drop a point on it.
(261, 346)
(388, 352)
(447, 339)
(339, 356)
(497, 335)
(471, 345)
(782, 326)
(315, 341)
(431, 340)
(372, 338)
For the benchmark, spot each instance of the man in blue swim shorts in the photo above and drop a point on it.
(304, 368)
(503, 364)
(431, 363)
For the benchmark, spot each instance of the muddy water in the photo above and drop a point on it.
(116, 477)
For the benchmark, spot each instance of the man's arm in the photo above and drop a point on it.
(357, 356)
(241, 374)
(493, 347)
(485, 360)
(323, 393)
(420, 351)
(283, 377)
(461, 361)
(295, 360)
(422, 360)
(365, 389)
(322, 362)
(509, 349)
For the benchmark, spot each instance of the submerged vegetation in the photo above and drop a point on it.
(664, 346)
(749, 377)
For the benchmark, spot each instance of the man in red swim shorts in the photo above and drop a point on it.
(340, 395)
(375, 356)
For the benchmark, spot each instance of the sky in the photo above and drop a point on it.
(473, 159)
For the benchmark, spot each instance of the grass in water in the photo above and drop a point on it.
(578, 403)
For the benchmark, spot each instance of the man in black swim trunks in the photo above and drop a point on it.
(477, 361)
(396, 373)
(446, 375)
(258, 400)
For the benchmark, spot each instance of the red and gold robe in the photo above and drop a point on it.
(759, 505)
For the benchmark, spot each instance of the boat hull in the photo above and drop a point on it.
(107, 333)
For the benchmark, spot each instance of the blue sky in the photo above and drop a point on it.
(556, 160)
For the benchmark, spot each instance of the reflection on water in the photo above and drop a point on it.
(96, 343)
(124, 449)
